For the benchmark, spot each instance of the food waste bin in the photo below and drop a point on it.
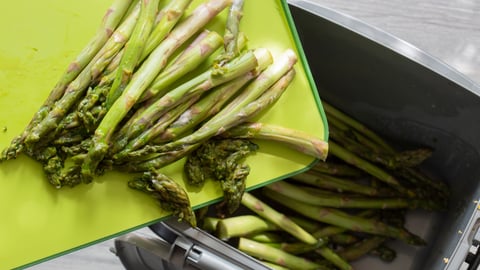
(405, 95)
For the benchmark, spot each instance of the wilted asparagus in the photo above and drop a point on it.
(172, 196)
(223, 161)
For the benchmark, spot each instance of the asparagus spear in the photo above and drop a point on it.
(381, 174)
(411, 174)
(361, 248)
(334, 258)
(156, 161)
(160, 125)
(274, 266)
(133, 49)
(170, 194)
(334, 230)
(345, 201)
(337, 169)
(77, 87)
(403, 159)
(232, 31)
(210, 104)
(335, 183)
(199, 50)
(364, 140)
(196, 86)
(384, 252)
(239, 110)
(165, 21)
(276, 255)
(341, 219)
(205, 43)
(357, 126)
(110, 21)
(142, 78)
(221, 160)
(277, 218)
(343, 239)
(116, 42)
(266, 237)
(307, 224)
(241, 226)
(296, 248)
(298, 140)
(209, 224)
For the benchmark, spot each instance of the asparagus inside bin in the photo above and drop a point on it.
(353, 204)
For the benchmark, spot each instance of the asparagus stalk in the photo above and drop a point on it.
(196, 86)
(334, 230)
(307, 224)
(221, 160)
(211, 104)
(205, 43)
(166, 20)
(357, 126)
(266, 237)
(358, 250)
(335, 183)
(409, 173)
(415, 176)
(403, 159)
(133, 49)
(274, 266)
(337, 169)
(232, 30)
(277, 218)
(296, 248)
(142, 78)
(381, 174)
(334, 258)
(116, 42)
(170, 194)
(364, 140)
(276, 255)
(341, 219)
(384, 252)
(238, 110)
(156, 161)
(343, 239)
(110, 21)
(197, 52)
(298, 140)
(160, 126)
(241, 226)
(209, 224)
(345, 201)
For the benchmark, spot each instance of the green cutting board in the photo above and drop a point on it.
(39, 39)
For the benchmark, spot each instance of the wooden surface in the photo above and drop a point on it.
(447, 29)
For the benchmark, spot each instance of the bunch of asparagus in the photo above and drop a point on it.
(151, 87)
(340, 210)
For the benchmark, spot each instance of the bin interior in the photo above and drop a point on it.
(411, 97)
